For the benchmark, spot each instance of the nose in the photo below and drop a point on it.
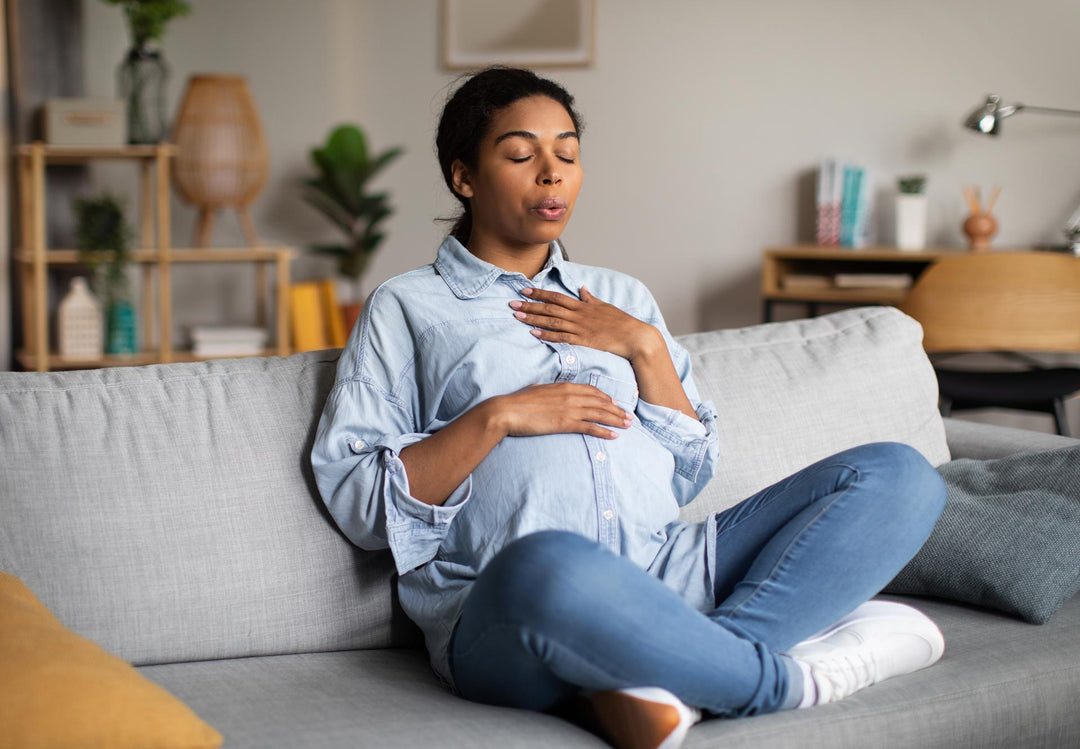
(549, 173)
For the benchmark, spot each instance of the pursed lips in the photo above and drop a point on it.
(551, 209)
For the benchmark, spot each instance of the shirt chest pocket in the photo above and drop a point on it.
(624, 393)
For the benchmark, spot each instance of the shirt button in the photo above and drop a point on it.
(601, 456)
(358, 445)
(608, 514)
(571, 359)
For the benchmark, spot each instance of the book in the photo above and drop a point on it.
(218, 334)
(873, 280)
(228, 340)
(335, 320)
(805, 281)
(317, 320)
(308, 320)
(829, 187)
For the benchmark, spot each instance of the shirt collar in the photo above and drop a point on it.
(468, 276)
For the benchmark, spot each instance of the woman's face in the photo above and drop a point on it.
(527, 177)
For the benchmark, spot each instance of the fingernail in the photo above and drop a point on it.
(515, 304)
(519, 315)
(527, 292)
(535, 332)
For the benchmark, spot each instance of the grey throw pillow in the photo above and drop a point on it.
(1009, 538)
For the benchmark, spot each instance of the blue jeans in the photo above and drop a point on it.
(555, 614)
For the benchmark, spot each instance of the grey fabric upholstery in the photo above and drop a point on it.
(1002, 683)
(169, 513)
(792, 393)
(968, 439)
(1009, 537)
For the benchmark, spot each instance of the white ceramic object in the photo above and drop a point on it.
(80, 323)
(911, 222)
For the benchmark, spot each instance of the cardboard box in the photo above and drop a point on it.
(85, 122)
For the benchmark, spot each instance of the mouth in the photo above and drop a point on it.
(550, 209)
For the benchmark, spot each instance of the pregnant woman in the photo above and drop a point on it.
(520, 431)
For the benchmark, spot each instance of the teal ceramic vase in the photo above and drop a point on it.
(121, 328)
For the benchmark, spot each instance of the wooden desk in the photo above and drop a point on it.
(782, 267)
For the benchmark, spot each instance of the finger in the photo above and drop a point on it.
(548, 322)
(553, 337)
(585, 294)
(608, 417)
(554, 297)
(542, 308)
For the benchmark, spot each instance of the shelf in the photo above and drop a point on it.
(827, 262)
(56, 362)
(181, 255)
(34, 259)
(867, 295)
(80, 154)
(862, 254)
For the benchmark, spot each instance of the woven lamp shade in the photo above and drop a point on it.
(221, 159)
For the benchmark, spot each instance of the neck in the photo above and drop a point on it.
(527, 260)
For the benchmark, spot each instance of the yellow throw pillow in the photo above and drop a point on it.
(59, 690)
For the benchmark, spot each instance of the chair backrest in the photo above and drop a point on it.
(999, 301)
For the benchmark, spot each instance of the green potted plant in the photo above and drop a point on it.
(340, 192)
(103, 239)
(143, 73)
(911, 212)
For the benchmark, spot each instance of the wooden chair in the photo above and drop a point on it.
(1014, 303)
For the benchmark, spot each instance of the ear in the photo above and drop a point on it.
(459, 175)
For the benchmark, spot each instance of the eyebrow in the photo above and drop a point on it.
(532, 136)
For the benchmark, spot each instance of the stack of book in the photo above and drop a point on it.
(228, 341)
(843, 204)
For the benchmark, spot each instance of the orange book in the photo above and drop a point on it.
(308, 320)
(336, 334)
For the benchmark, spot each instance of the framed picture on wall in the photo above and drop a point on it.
(528, 33)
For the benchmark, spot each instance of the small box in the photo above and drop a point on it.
(85, 122)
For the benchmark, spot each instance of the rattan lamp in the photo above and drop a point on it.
(221, 157)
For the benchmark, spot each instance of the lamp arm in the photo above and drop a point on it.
(1046, 110)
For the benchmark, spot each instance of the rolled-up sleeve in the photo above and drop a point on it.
(693, 442)
(356, 460)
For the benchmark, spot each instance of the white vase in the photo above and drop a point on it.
(911, 222)
(80, 323)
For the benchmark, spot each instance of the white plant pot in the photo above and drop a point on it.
(911, 222)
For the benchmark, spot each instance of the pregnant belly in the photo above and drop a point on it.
(549, 482)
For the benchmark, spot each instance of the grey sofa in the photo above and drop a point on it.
(169, 514)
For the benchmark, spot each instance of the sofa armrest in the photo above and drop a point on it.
(969, 439)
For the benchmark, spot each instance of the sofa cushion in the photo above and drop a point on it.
(61, 690)
(169, 512)
(1009, 537)
(791, 393)
(1002, 683)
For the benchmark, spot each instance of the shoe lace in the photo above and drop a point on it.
(846, 673)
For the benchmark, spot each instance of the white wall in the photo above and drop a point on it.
(704, 121)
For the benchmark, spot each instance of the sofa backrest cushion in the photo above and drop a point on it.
(791, 393)
(169, 512)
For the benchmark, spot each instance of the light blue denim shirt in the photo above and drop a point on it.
(435, 342)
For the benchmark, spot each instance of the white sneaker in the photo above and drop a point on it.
(876, 641)
(643, 717)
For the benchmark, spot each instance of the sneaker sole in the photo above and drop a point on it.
(881, 610)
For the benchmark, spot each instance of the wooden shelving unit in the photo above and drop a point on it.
(778, 263)
(155, 255)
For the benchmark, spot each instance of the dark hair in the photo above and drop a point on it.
(467, 117)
